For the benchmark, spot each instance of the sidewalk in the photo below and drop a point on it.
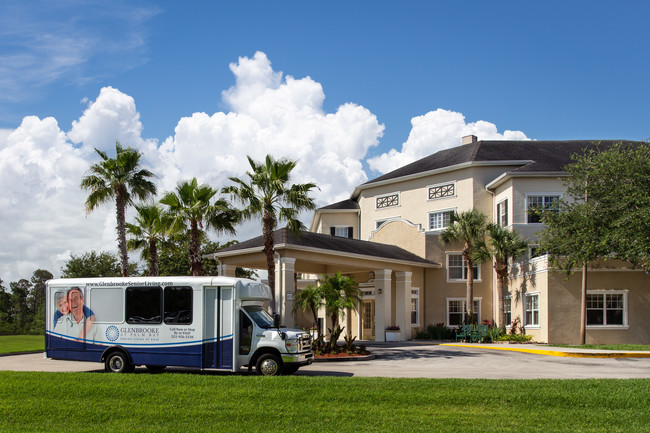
(537, 349)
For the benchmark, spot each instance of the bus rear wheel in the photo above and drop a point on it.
(118, 362)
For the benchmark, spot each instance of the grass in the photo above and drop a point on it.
(21, 343)
(629, 347)
(143, 402)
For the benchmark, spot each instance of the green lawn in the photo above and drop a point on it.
(632, 347)
(21, 343)
(96, 402)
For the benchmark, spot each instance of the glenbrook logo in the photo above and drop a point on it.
(112, 333)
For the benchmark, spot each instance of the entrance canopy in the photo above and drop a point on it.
(390, 268)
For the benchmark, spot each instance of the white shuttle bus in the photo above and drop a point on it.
(200, 322)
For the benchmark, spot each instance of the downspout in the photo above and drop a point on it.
(279, 283)
(495, 301)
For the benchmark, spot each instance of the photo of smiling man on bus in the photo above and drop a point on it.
(72, 317)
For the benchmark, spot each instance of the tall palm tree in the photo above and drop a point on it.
(266, 193)
(310, 298)
(468, 227)
(191, 205)
(120, 179)
(340, 293)
(501, 245)
(150, 228)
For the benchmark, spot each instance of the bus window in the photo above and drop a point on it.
(143, 305)
(178, 305)
(245, 333)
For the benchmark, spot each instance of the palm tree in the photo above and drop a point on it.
(265, 192)
(502, 245)
(340, 293)
(468, 227)
(151, 225)
(120, 179)
(190, 204)
(310, 298)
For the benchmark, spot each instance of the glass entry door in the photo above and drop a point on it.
(368, 320)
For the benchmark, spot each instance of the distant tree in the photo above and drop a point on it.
(502, 245)
(19, 294)
(265, 192)
(120, 179)
(605, 213)
(190, 206)
(93, 264)
(469, 227)
(6, 311)
(36, 298)
(150, 226)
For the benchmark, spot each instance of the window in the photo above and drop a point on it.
(442, 191)
(502, 213)
(415, 301)
(535, 251)
(532, 310)
(456, 311)
(107, 303)
(341, 231)
(536, 203)
(507, 310)
(606, 308)
(143, 305)
(440, 220)
(457, 268)
(245, 333)
(178, 305)
(387, 201)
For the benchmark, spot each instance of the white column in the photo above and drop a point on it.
(285, 287)
(403, 303)
(382, 303)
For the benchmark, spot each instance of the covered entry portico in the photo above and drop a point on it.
(388, 275)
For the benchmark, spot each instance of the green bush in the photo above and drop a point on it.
(516, 338)
(436, 332)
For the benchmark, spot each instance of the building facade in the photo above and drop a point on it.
(405, 211)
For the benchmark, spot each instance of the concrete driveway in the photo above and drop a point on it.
(408, 359)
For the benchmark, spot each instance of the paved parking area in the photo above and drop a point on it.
(425, 360)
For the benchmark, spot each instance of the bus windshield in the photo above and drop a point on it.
(260, 316)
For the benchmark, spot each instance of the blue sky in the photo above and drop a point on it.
(351, 88)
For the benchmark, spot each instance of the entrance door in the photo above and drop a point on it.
(368, 320)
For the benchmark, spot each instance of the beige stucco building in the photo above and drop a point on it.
(386, 236)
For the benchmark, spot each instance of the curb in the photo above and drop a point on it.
(27, 352)
(346, 358)
(559, 353)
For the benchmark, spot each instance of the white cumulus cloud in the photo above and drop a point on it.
(435, 131)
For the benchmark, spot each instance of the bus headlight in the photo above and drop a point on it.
(292, 345)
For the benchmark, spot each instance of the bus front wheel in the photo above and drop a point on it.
(269, 365)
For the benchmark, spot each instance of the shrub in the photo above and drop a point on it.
(436, 332)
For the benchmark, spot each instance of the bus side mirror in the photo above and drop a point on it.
(276, 320)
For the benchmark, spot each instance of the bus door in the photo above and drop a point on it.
(218, 327)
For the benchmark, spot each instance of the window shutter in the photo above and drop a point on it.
(350, 232)
(332, 231)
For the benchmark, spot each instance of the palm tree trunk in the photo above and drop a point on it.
(195, 249)
(501, 279)
(153, 258)
(269, 251)
(469, 300)
(120, 204)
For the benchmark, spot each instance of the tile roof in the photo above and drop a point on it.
(333, 244)
(535, 156)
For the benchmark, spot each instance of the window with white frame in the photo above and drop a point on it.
(457, 268)
(341, 231)
(442, 191)
(389, 200)
(456, 311)
(502, 213)
(606, 308)
(415, 303)
(532, 309)
(507, 310)
(540, 203)
(440, 220)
